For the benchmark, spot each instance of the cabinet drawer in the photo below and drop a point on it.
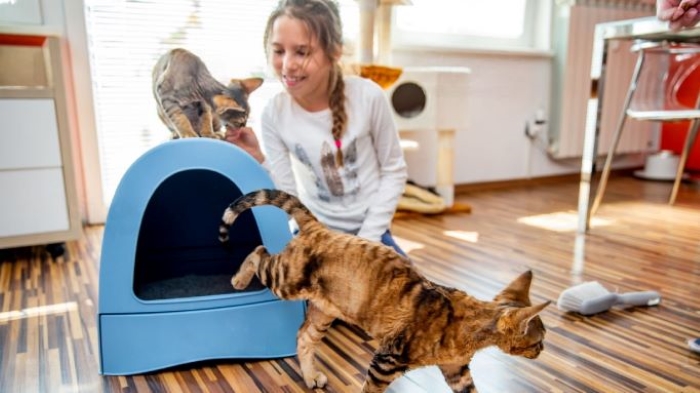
(28, 134)
(33, 201)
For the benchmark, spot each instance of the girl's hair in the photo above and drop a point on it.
(322, 18)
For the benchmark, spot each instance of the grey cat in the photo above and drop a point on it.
(192, 103)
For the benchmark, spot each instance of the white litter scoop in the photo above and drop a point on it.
(591, 298)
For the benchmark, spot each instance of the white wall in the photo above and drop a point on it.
(505, 92)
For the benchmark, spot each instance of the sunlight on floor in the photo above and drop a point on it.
(561, 221)
(407, 245)
(471, 237)
(38, 311)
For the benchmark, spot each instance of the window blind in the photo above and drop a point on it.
(126, 38)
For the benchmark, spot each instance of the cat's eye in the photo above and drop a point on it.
(528, 347)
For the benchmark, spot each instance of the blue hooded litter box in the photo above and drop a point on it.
(165, 297)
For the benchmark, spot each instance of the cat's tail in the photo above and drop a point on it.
(287, 202)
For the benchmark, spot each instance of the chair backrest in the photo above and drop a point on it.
(664, 70)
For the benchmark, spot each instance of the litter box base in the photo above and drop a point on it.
(139, 343)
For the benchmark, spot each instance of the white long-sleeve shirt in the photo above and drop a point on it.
(361, 196)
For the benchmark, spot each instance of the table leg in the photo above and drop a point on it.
(592, 130)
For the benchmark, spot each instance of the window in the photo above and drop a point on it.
(125, 39)
(469, 24)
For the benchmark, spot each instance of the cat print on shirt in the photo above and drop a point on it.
(330, 170)
(304, 159)
(339, 181)
(351, 176)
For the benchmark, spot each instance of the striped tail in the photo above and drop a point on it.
(287, 202)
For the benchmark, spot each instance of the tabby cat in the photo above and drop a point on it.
(416, 322)
(192, 103)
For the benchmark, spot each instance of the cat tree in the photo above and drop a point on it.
(428, 102)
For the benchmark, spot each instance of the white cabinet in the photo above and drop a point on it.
(29, 134)
(38, 198)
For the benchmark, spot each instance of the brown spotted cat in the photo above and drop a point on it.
(192, 103)
(416, 322)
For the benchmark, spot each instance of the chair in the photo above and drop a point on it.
(653, 95)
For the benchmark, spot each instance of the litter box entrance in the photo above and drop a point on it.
(178, 253)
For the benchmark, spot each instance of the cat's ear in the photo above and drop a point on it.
(517, 291)
(519, 317)
(249, 84)
(524, 315)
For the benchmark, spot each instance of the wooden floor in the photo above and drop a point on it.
(48, 338)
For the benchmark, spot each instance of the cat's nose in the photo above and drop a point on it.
(238, 123)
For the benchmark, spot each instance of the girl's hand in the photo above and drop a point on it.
(679, 13)
(245, 138)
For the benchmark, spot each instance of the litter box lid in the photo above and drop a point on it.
(140, 182)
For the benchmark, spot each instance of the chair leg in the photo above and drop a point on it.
(603, 183)
(689, 141)
(616, 138)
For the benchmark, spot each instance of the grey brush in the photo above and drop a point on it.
(591, 298)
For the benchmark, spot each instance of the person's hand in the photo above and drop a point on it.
(679, 13)
(245, 138)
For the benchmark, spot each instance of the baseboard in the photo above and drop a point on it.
(530, 182)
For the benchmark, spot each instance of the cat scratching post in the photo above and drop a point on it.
(445, 165)
(375, 22)
(383, 21)
(430, 106)
(368, 9)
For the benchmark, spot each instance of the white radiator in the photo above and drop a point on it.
(573, 31)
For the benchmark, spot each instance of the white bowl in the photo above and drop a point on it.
(660, 166)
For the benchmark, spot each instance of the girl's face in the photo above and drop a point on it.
(301, 65)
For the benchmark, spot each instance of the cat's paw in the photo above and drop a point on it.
(239, 282)
(319, 381)
(215, 135)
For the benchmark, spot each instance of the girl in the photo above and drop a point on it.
(329, 139)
